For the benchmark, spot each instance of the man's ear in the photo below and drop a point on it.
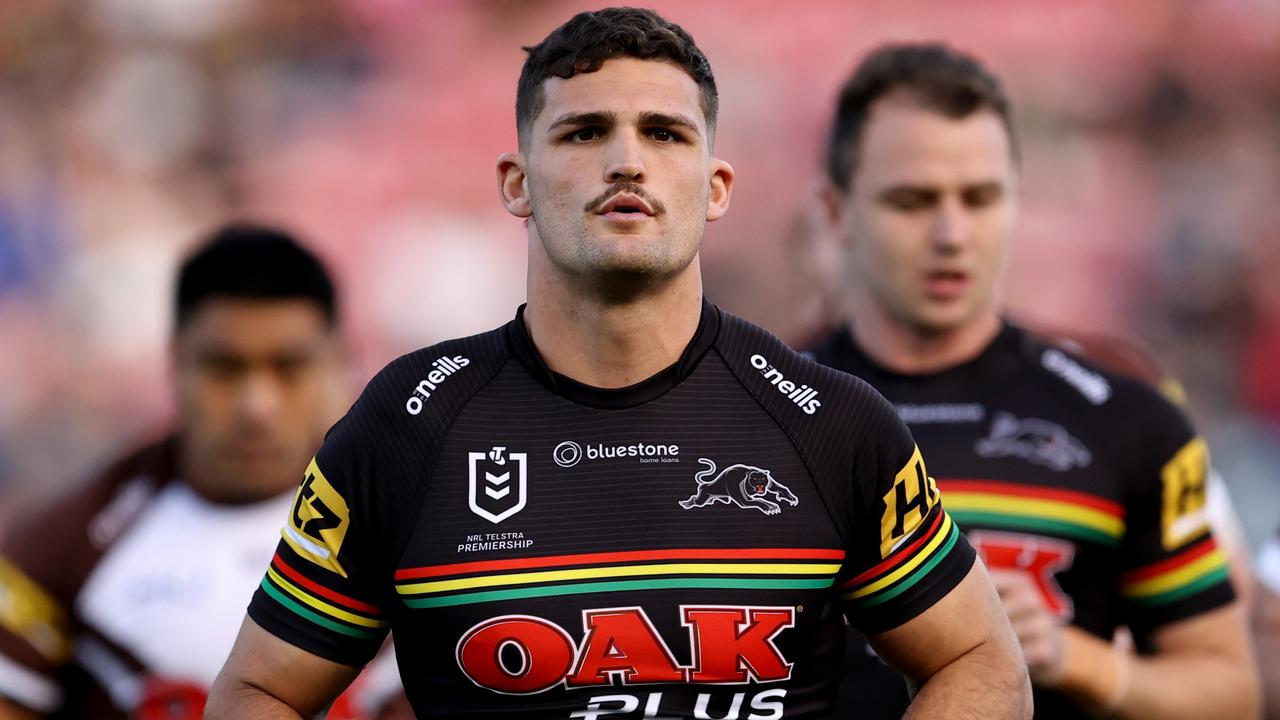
(721, 189)
(833, 201)
(512, 188)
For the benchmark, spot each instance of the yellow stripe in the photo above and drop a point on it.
(1177, 578)
(1049, 509)
(323, 607)
(907, 567)
(32, 614)
(618, 571)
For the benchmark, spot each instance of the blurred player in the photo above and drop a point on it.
(625, 502)
(1084, 490)
(121, 597)
(1266, 624)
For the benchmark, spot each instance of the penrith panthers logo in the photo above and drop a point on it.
(741, 485)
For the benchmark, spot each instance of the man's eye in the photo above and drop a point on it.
(585, 134)
(663, 136)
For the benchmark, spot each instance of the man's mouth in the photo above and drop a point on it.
(625, 205)
(945, 284)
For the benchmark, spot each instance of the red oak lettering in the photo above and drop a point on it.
(729, 645)
(1041, 558)
(730, 642)
(622, 640)
(545, 649)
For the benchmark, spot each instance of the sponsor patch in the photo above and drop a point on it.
(318, 521)
(1185, 479)
(907, 503)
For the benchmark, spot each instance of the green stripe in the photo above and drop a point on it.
(617, 586)
(915, 577)
(324, 622)
(1022, 522)
(1164, 598)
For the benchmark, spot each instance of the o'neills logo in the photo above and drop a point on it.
(805, 397)
(444, 367)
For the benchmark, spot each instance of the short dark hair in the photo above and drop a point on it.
(942, 79)
(254, 262)
(588, 39)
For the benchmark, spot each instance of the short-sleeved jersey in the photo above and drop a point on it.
(121, 597)
(1090, 481)
(689, 546)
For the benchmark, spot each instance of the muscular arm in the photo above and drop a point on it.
(1202, 668)
(963, 656)
(266, 677)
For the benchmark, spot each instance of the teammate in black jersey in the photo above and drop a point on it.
(1082, 489)
(625, 502)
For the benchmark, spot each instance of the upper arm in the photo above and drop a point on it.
(966, 618)
(1222, 632)
(261, 663)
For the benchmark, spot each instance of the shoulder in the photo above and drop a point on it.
(432, 384)
(793, 382)
(1123, 356)
(61, 537)
(1116, 394)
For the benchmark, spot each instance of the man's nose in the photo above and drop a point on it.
(625, 162)
(952, 225)
(258, 398)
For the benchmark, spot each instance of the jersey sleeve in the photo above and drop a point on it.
(324, 588)
(905, 553)
(35, 627)
(1172, 567)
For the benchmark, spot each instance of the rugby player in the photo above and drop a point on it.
(121, 597)
(625, 502)
(1082, 488)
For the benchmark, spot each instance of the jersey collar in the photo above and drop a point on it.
(642, 392)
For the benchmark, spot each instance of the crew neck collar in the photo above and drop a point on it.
(988, 365)
(642, 392)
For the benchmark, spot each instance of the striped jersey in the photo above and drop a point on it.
(689, 546)
(1089, 481)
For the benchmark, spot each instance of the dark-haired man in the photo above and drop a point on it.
(120, 597)
(1082, 488)
(625, 503)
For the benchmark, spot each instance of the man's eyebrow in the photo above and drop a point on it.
(669, 120)
(576, 119)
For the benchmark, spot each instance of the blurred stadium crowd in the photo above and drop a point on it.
(1150, 130)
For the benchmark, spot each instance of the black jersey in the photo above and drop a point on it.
(1091, 482)
(685, 547)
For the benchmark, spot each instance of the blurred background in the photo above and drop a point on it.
(128, 128)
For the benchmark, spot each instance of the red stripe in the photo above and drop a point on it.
(1039, 493)
(898, 557)
(1186, 557)
(619, 557)
(321, 590)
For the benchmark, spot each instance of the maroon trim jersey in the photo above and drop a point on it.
(689, 546)
(1089, 481)
(121, 597)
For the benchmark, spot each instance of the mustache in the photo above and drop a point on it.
(625, 187)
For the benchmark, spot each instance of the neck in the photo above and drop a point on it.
(610, 341)
(911, 350)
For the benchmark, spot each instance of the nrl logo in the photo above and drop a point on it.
(741, 485)
(502, 491)
(1033, 440)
